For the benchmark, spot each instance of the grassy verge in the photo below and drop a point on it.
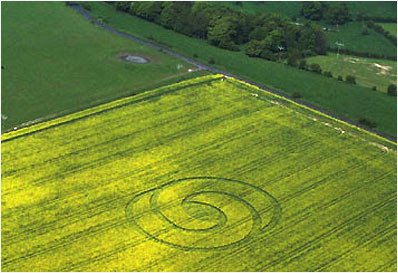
(348, 101)
(56, 61)
(368, 72)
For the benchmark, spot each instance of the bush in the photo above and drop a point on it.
(296, 95)
(303, 64)
(212, 61)
(350, 79)
(374, 88)
(328, 74)
(368, 122)
(365, 31)
(316, 68)
(340, 78)
(392, 90)
(122, 6)
(195, 55)
(86, 6)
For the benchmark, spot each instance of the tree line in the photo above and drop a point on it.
(269, 36)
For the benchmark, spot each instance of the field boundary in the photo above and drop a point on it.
(37, 127)
(300, 105)
(86, 15)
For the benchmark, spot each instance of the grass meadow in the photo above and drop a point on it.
(206, 175)
(291, 9)
(55, 61)
(348, 101)
(368, 72)
(390, 27)
(350, 34)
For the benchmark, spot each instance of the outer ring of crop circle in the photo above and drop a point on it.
(277, 212)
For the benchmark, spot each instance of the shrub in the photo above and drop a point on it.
(392, 90)
(195, 55)
(374, 88)
(350, 79)
(365, 31)
(212, 61)
(303, 64)
(315, 68)
(368, 122)
(296, 95)
(86, 6)
(328, 74)
(340, 78)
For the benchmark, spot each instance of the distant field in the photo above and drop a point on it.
(350, 34)
(385, 9)
(368, 72)
(390, 27)
(287, 8)
(200, 176)
(57, 61)
(351, 102)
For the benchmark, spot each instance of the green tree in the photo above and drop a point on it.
(312, 10)
(350, 79)
(392, 90)
(122, 5)
(337, 14)
(303, 64)
(315, 68)
(293, 56)
(253, 48)
(222, 33)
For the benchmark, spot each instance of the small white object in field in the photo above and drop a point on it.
(190, 70)
(15, 128)
(4, 117)
(179, 66)
(254, 95)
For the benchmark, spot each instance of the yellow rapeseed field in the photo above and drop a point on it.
(205, 175)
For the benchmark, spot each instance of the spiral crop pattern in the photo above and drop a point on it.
(203, 212)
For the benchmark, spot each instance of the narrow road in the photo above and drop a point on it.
(212, 69)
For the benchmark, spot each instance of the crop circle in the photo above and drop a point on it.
(203, 212)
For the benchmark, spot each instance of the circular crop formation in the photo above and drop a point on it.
(203, 212)
(135, 59)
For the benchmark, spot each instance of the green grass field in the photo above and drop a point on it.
(386, 9)
(350, 34)
(56, 61)
(351, 102)
(368, 72)
(199, 176)
(289, 9)
(390, 27)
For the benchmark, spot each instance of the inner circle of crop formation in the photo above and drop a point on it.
(203, 212)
